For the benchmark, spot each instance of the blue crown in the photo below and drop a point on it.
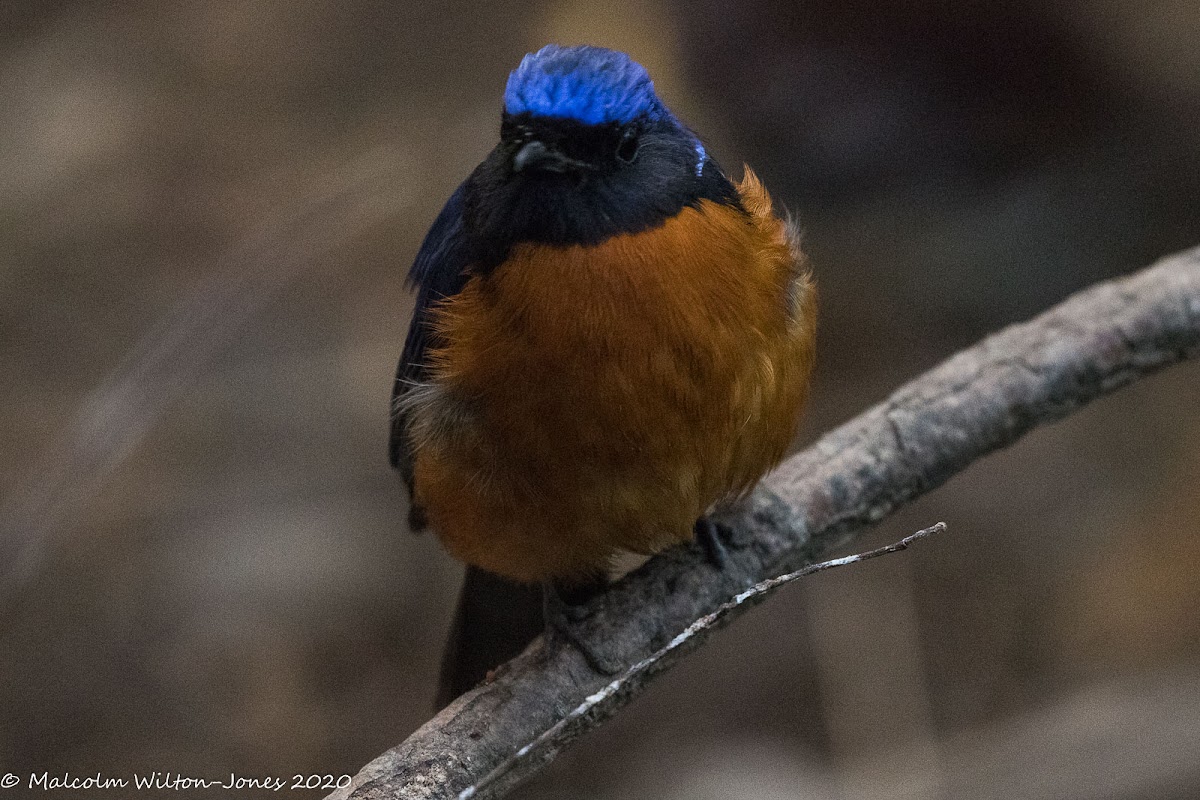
(589, 84)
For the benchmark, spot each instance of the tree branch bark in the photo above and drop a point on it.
(980, 400)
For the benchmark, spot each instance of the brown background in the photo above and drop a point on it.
(206, 211)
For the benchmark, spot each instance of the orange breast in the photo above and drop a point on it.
(592, 399)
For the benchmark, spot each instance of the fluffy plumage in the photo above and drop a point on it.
(596, 398)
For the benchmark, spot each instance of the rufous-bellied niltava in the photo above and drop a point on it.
(610, 338)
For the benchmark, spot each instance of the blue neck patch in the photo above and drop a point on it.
(589, 84)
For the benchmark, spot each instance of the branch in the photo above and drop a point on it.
(701, 627)
(978, 401)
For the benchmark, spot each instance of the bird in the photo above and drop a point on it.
(610, 340)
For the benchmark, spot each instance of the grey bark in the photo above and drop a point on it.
(980, 400)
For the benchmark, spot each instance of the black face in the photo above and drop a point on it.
(559, 181)
(564, 146)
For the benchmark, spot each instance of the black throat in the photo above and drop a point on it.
(606, 197)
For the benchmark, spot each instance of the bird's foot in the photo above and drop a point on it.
(563, 608)
(711, 536)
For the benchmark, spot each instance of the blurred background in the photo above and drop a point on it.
(206, 213)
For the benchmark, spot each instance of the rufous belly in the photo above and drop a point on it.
(596, 399)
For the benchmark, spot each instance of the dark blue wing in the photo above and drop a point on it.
(438, 272)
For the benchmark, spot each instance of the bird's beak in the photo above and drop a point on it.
(536, 155)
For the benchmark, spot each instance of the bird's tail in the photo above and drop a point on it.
(496, 618)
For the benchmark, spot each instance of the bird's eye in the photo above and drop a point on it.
(628, 147)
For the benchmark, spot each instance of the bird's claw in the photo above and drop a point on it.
(711, 536)
(562, 617)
